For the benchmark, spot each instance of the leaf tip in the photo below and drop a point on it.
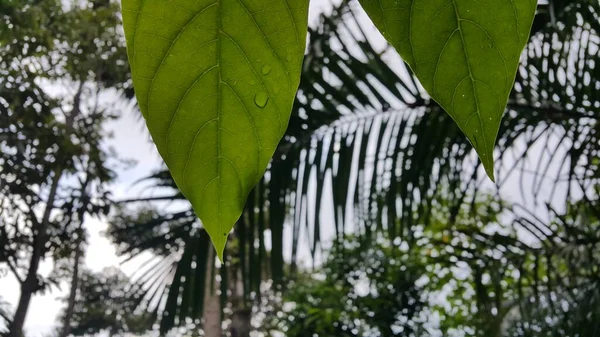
(219, 242)
(218, 233)
(220, 253)
(487, 159)
(489, 169)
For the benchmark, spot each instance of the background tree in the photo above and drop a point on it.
(55, 60)
(102, 305)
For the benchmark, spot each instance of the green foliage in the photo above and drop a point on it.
(215, 82)
(465, 54)
(364, 288)
(471, 277)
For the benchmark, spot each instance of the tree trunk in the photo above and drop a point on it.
(66, 329)
(31, 283)
(241, 316)
(212, 303)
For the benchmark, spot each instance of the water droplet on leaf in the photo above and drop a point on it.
(260, 99)
(266, 69)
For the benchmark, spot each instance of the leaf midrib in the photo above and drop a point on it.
(219, 97)
(464, 48)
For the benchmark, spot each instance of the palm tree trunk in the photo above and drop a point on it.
(212, 304)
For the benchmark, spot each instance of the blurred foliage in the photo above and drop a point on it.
(473, 277)
(103, 306)
(366, 287)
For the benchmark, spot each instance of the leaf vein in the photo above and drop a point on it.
(184, 27)
(189, 155)
(241, 2)
(257, 76)
(258, 144)
(181, 101)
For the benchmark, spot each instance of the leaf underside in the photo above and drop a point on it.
(215, 81)
(465, 54)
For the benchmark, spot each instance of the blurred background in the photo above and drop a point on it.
(374, 218)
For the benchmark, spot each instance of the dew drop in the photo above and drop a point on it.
(266, 69)
(260, 99)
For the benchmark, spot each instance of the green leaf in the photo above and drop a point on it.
(464, 52)
(215, 81)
